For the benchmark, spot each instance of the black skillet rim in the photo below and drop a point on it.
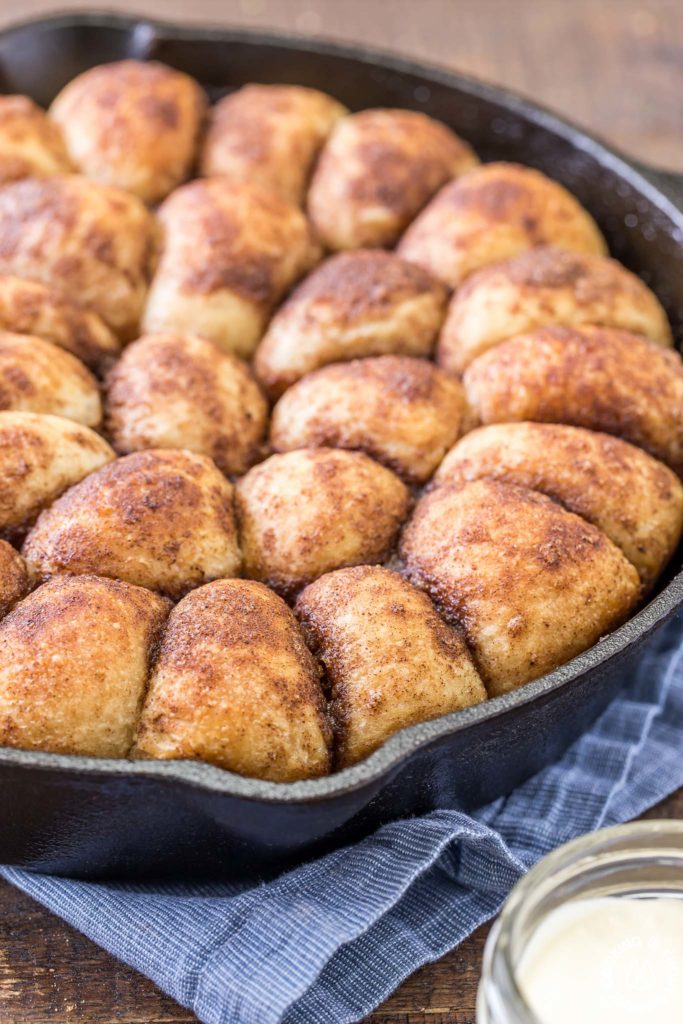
(409, 741)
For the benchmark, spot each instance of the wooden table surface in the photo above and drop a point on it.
(617, 68)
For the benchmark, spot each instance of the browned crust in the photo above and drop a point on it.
(96, 244)
(134, 124)
(270, 134)
(590, 277)
(306, 512)
(41, 455)
(634, 499)
(531, 584)
(366, 281)
(37, 376)
(387, 161)
(400, 174)
(492, 213)
(403, 412)
(161, 518)
(14, 582)
(247, 682)
(358, 621)
(598, 378)
(244, 234)
(355, 304)
(546, 287)
(30, 144)
(65, 686)
(169, 391)
(28, 307)
(64, 598)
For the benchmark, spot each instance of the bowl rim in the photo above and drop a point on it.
(388, 759)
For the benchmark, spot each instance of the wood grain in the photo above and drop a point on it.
(615, 67)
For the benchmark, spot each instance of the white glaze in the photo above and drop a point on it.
(607, 961)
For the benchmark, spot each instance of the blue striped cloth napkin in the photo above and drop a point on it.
(327, 942)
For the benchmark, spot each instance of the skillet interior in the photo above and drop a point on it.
(85, 816)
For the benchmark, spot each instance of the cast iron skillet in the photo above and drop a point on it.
(88, 817)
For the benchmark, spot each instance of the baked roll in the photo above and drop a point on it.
(230, 253)
(31, 146)
(531, 584)
(269, 135)
(161, 519)
(133, 124)
(94, 243)
(404, 412)
(235, 685)
(493, 213)
(14, 582)
(389, 658)
(74, 661)
(376, 172)
(593, 377)
(307, 512)
(178, 391)
(356, 304)
(546, 287)
(37, 376)
(634, 499)
(40, 457)
(29, 307)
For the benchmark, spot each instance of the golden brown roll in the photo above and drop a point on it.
(531, 584)
(177, 391)
(541, 288)
(30, 144)
(235, 685)
(635, 500)
(94, 243)
(492, 213)
(307, 512)
(14, 582)
(133, 124)
(389, 658)
(161, 519)
(356, 304)
(269, 135)
(404, 412)
(37, 376)
(28, 307)
(74, 660)
(40, 457)
(592, 377)
(230, 253)
(377, 170)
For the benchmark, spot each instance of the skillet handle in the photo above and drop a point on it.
(670, 182)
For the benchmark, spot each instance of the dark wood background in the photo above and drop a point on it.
(616, 67)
